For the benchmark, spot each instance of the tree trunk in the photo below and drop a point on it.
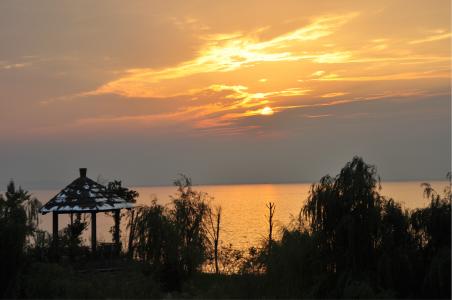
(217, 238)
(271, 208)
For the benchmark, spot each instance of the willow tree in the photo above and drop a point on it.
(173, 241)
(189, 213)
(432, 230)
(344, 212)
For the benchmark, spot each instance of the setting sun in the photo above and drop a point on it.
(267, 111)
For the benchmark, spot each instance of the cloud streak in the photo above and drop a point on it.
(240, 75)
(441, 35)
(229, 52)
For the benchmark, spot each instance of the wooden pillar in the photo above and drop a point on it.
(117, 237)
(93, 232)
(131, 233)
(55, 231)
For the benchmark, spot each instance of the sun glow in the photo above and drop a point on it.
(267, 111)
(307, 63)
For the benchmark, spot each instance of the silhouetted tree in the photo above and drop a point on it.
(189, 213)
(173, 241)
(156, 243)
(351, 242)
(344, 213)
(271, 213)
(18, 221)
(396, 251)
(432, 230)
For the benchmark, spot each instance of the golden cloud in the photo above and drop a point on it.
(229, 52)
(240, 75)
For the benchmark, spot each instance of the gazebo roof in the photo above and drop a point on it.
(84, 195)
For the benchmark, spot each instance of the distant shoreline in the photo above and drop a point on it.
(56, 187)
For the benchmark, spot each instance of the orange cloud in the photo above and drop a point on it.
(332, 95)
(397, 76)
(441, 35)
(239, 75)
(229, 52)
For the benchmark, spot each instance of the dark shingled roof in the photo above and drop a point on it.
(84, 195)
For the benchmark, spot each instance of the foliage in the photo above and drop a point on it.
(131, 196)
(18, 221)
(432, 230)
(156, 244)
(231, 259)
(344, 212)
(213, 231)
(348, 242)
(39, 248)
(123, 192)
(352, 242)
(189, 214)
(71, 236)
(173, 241)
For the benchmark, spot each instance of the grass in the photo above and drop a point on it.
(63, 280)
(124, 278)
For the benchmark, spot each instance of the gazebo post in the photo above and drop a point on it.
(55, 231)
(117, 237)
(93, 231)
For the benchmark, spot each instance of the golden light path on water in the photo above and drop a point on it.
(244, 222)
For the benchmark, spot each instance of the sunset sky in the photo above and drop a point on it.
(223, 91)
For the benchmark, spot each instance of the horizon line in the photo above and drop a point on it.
(35, 186)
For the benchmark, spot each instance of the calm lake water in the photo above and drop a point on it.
(244, 210)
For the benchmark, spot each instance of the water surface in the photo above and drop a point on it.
(244, 221)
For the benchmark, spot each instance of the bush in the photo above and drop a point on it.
(71, 236)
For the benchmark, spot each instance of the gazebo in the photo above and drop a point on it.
(84, 195)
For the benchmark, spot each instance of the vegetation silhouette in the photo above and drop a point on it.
(172, 241)
(18, 221)
(213, 230)
(70, 237)
(348, 241)
(130, 196)
(352, 242)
